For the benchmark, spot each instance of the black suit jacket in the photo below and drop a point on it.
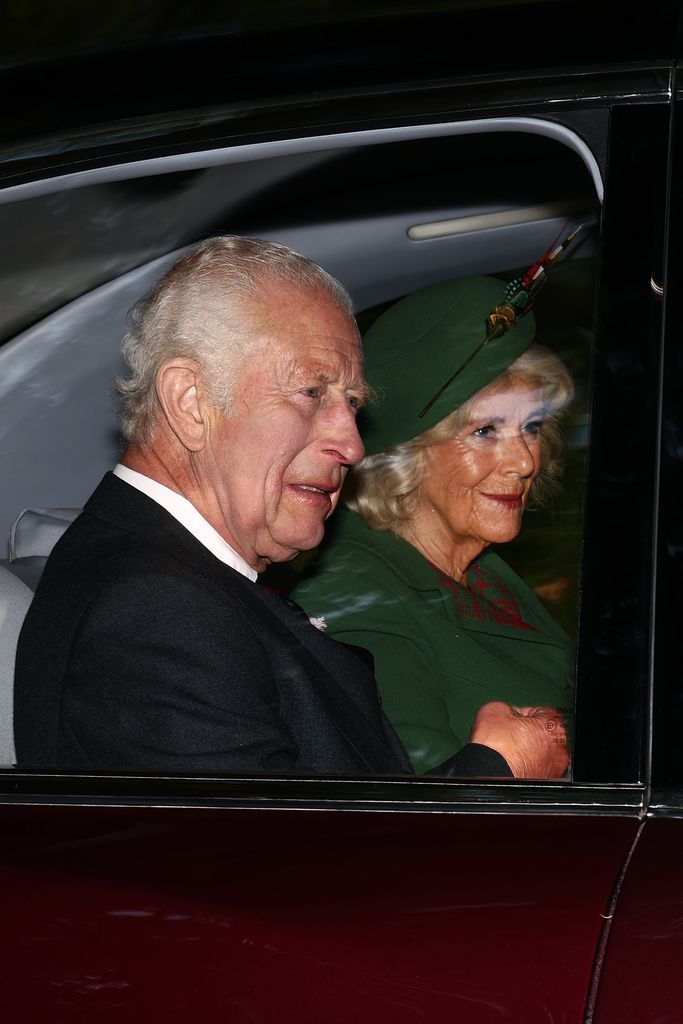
(141, 650)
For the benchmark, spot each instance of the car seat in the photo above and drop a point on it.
(15, 598)
(32, 538)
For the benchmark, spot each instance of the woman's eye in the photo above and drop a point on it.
(533, 427)
(354, 401)
(312, 392)
(486, 431)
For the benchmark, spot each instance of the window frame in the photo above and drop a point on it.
(626, 794)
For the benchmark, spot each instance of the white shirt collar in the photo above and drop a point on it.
(188, 516)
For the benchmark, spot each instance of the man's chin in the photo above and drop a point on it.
(287, 548)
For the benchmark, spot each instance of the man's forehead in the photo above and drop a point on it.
(305, 331)
(342, 364)
(308, 305)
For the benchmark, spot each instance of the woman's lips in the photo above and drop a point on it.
(507, 500)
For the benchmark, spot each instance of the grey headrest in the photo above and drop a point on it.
(14, 601)
(37, 530)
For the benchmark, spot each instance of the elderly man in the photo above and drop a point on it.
(149, 644)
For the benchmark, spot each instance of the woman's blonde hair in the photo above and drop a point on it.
(385, 488)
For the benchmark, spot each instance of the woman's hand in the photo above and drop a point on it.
(533, 741)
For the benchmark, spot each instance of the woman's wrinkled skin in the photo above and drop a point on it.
(476, 486)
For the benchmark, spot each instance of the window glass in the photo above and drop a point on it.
(359, 212)
(668, 694)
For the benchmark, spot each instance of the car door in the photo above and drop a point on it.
(641, 978)
(397, 899)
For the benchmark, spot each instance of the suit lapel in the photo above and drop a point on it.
(340, 678)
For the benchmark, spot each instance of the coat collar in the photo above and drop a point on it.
(408, 564)
(121, 505)
(417, 573)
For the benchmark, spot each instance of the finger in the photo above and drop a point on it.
(541, 712)
(493, 708)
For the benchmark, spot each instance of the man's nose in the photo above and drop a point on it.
(343, 438)
(517, 457)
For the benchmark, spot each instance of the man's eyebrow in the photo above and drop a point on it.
(306, 375)
(300, 374)
(363, 390)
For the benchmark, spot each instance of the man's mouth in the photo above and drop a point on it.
(319, 495)
(316, 490)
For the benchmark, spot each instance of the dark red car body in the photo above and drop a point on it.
(258, 900)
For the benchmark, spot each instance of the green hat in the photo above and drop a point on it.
(414, 348)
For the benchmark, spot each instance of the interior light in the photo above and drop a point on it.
(499, 219)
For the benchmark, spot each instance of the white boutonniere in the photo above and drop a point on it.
(319, 623)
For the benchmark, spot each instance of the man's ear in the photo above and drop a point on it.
(181, 395)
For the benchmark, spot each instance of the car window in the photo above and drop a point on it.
(667, 757)
(387, 219)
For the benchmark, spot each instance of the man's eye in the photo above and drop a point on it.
(355, 402)
(312, 392)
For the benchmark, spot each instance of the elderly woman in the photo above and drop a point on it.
(410, 573)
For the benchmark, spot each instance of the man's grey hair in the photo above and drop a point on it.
(201, 310)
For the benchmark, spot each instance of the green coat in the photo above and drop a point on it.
(440, 651)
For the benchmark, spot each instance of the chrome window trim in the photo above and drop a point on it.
(19, 787)
(308, 144)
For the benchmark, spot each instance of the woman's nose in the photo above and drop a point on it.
(518, 458)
